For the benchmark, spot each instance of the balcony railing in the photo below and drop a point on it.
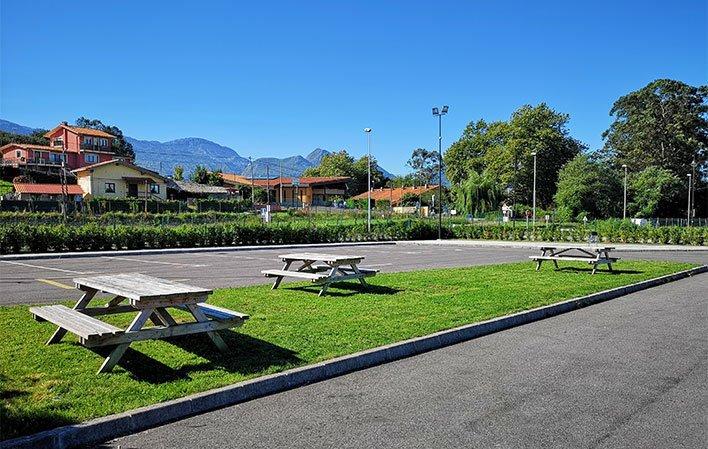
(95, 147)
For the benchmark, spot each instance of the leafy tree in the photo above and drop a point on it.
(178, 173)
(656, 192)
(425, 164)
(588, 186)
(214, 178)
(36, 138)
(466, 156)
(409, 180)
(663, 124)
(340, 163)
(478, 194)
(502, 150)
(120, 145)
(200, 175)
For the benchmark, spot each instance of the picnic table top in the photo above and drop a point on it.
(588, 247)
(140, 287)
(320, 256)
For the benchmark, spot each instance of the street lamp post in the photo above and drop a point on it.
(534, 189)
(688, 211)
(368, 186)
(624, 207)
(439, 113)
(693, 188)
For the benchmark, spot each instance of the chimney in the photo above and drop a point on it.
(64, 123)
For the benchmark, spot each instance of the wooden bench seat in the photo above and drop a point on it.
(314, 277)
(221, 314)
(365, 271)
(578, 258)
(76, 322)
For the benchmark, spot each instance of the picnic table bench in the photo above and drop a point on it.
(321, 269)
(147, 296)
(593, 255)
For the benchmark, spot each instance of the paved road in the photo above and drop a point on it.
(49, 280)
(632, 372)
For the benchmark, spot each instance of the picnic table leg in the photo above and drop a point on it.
(200, 317)
(594, 268)
(119, 350)
(278, 279)
(80, 304)
(330, 278)
(161, 317)
(356, 270)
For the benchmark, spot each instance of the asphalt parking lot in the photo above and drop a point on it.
(631, 372)
(37, 281)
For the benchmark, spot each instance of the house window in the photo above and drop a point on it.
(110, 187)
(58, 143)
(90, 158)
(87, 140)
(103, 142)
(18, 153)
(155, 188)
(55, 157)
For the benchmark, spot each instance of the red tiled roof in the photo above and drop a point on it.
(142, 170)
(81, 131)
(273, 182)
(26, 146)
(47, 189)
(394, 195)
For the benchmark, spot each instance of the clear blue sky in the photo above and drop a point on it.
(276, 79)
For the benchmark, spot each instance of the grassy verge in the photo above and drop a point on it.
(47, 386)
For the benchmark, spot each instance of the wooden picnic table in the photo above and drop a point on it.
(593, 255)
(149, 298)
(324, 269)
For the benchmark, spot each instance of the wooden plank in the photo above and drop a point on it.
(322, 257)
(294, 274)
(576, 258)
(163, 332)
(138, 286)
(74, 321)
(113, 310)
(167, 302)
(220, 313)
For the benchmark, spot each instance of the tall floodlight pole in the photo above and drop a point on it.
(368, 187)
(624, 208)
(688, 211)
(534, 189)
(439, 113)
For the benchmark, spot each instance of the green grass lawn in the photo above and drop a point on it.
(47, 386)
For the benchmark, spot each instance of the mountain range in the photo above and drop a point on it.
(192, 151)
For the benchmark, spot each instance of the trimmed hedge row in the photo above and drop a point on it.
(92, 237)
(127, 218)
(56, 238)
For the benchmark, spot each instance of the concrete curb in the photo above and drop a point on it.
(210, 249)
(624, 247)
(103, 429)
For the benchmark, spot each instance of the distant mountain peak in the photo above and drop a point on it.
(316, 155)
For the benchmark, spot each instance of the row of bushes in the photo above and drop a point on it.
(127, 218)
(625, 233)
(55, 238)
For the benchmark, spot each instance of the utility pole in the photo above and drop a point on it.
(250, 161)
(688, 211)
(534, 189)
(693, 188)
(368, 187)
(268, 184)
(280, 180)
(62, 179)
(624, 208)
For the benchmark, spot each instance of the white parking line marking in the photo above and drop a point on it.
(56, 284)
(157, 262)
(45, 268)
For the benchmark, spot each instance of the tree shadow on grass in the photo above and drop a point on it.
(19, 421)
(352, 289)
(599, 270)
(247, 356)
